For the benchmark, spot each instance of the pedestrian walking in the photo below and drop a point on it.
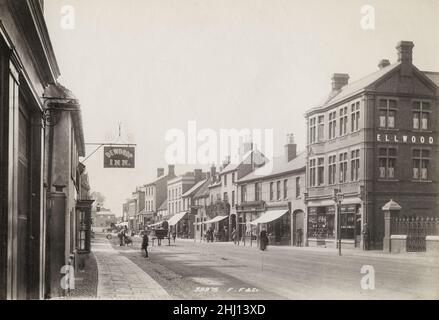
(210, 235)
(121, 238)
(263, 239)
(145, 243)
(366, 237)
(234, 235)
(299, 237)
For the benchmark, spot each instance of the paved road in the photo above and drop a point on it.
(188, 270)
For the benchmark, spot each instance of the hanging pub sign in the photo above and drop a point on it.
(119, 157)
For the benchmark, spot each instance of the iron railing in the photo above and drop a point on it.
(416, 229)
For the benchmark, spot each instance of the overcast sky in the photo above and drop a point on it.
(157, 64)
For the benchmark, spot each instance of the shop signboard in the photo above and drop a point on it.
(119, 157)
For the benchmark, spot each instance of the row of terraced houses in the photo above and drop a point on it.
(374, 141)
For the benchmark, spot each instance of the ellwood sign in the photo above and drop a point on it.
(403, 138)
(119, 157)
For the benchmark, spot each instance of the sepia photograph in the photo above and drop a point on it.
(233, 151)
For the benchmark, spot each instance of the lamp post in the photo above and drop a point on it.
(338, 199)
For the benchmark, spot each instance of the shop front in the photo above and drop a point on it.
(277, 223)
(322, 225)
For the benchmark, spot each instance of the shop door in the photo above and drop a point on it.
(23, 205)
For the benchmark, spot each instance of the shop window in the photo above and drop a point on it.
(332, 124)
(355, 165)
(355, 116)
(421, 115)
(421, 164)
(343, 161)
(387, 163)
(347, 221)
(332, 169)
(321, 222)
(387, 114)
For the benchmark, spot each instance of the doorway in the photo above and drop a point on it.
(298, 228)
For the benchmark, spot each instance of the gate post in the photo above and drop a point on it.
(391, 210)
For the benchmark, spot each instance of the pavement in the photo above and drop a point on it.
(119, 278)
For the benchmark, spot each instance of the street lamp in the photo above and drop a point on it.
(338, 198)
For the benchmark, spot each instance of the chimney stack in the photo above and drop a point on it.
(160, 172)
(171, 170)
(247, 145)
(226, 162)
(405, 56)
(383, 63)
(213, 171)
(290, 148)
(198, 174)
(339, 80)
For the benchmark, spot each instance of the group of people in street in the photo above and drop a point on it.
(124, 237)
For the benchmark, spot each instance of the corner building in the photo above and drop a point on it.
(374, 139)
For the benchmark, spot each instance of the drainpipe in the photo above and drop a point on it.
(49, 159)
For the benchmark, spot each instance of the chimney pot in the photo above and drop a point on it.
(171, 169)
(160, 172)
(383, 63)
(339, 80)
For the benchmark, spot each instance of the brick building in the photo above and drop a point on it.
(374, 139)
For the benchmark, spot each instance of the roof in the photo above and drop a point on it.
(280, 166)
(166, 177)
(355, 87)
(57, 94)
(433, 76)
(204, 190)
(194, 188)
(359, 85)
(233, 165)
(164, 205)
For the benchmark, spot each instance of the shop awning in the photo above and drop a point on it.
(155, 224)
(216, 219)
(175, 218)
(269, 216)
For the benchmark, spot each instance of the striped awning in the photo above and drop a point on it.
(176, 218)
(269, 216)
(216, 219)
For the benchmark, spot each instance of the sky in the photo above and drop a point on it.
(155, 65)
